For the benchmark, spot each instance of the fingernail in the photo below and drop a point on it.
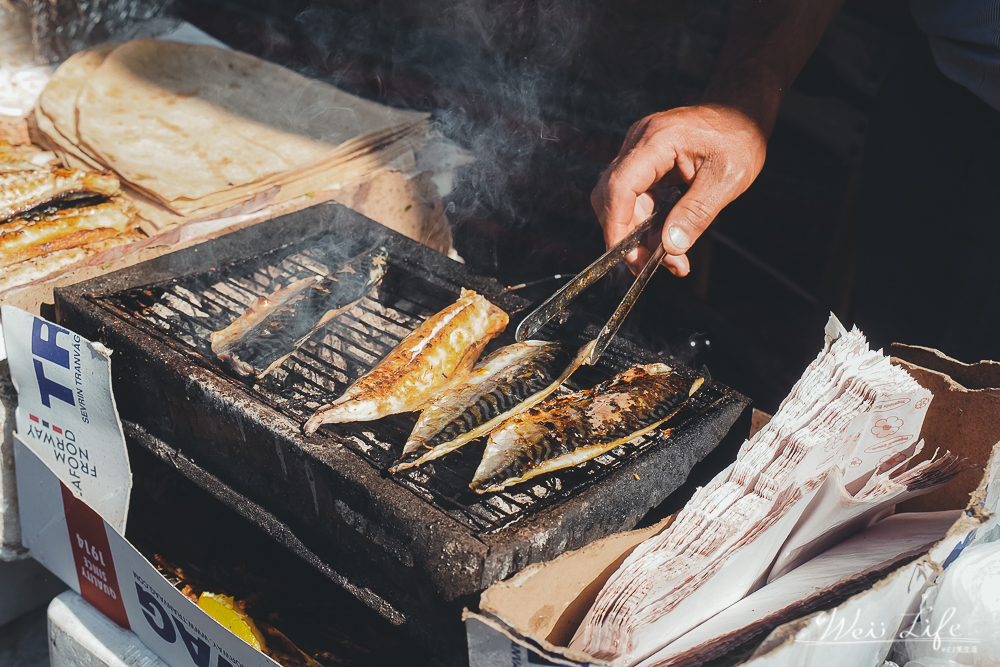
(679, 238)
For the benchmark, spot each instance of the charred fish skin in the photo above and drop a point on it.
(277, 326)
(577, 427)
(439, 352)
(509, 380)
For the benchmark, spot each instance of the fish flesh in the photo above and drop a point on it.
(441, 350)
(568, 430)
(507, 382)
(56, 263)
(23, 188)
(44, 231)
(274, 326)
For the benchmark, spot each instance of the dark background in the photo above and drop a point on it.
(543, 91)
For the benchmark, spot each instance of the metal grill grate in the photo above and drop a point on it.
(184, 312)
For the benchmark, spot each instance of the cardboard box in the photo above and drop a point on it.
(73, 482)
(531, 617)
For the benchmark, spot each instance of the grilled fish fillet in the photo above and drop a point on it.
(274, 326)
(23, 188)
(507, 382)
(568, 430)
(46, 231)
(439, 351)
(47, 267)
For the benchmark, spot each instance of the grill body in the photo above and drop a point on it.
(414, 545)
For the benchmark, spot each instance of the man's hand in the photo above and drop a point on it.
(716, 149)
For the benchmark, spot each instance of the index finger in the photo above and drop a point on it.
(630, 177)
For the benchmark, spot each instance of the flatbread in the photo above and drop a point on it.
(70, 155)
(56, 106)
(183, 122)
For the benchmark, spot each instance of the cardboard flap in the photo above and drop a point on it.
(962, 419)
(66, 411)
(981, 375)
(551, 599)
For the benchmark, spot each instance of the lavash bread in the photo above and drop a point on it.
(199, 133)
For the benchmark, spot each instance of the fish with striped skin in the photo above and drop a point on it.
(274, 326)
(570, 429)
(507, 382)
(441, 350)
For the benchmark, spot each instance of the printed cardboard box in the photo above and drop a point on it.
(73, 481)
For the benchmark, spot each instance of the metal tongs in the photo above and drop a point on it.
(559, 301)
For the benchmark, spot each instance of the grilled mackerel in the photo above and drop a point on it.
(44, 231)
(440, 351)
(507, 382)
(568, 430)
(274, 326)
(24, 186)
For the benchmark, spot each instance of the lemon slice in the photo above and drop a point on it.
(223, 609)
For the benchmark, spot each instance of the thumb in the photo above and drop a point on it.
(695, 211)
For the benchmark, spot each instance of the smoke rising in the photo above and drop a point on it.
(541, 92)
(497, 77)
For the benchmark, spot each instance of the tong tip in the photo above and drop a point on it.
(522, 332)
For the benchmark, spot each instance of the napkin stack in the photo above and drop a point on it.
(195, 132)
(831, 461)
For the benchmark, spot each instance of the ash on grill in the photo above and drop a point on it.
(192, 308)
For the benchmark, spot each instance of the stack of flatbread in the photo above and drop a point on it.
(833, 459)
(195, 132)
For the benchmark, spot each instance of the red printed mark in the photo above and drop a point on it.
(883, 428)
(44, 423)
(95, 569)
(869, 363)
(895, 443)
(885, 406)
(890, 461)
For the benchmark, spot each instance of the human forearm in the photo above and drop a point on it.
(718, 147)
(766, 45)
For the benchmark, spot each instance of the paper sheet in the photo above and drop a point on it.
(889, 541)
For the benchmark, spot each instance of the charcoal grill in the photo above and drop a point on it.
(404, 543)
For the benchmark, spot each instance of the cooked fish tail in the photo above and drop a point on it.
(437, 353)
(577, 427)
(273, 327)
(510, 380)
